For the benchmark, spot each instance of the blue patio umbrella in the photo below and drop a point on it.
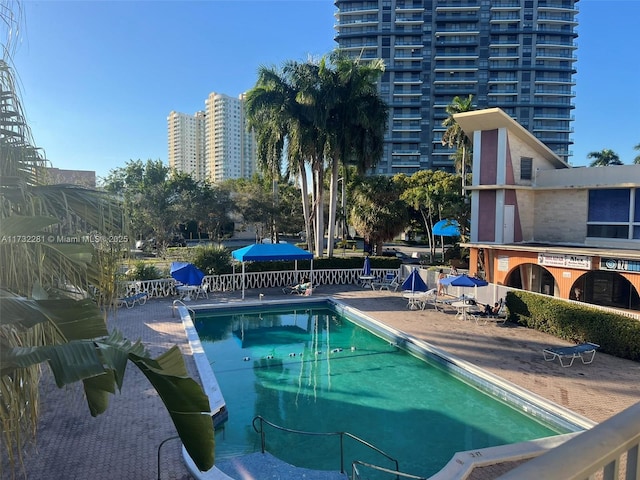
(414, 282)
(186, 273)
(464, 280)
(366, 269)
(447, 228)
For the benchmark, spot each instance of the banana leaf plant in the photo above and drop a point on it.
(45, 315)
(85, 351)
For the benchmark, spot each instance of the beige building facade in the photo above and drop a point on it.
(541, 225)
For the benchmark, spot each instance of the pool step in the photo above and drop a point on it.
(264, 466)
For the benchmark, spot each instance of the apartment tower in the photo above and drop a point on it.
(213, 144)
(187, 143)
(514, 54)
(230, 146)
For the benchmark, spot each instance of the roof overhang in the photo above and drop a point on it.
(559, 249)
(495, 118)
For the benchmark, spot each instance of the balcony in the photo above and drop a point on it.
(409, 19)
(555, 91)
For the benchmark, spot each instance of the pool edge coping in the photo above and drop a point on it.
(461, 463)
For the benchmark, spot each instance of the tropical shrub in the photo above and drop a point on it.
(212, 259)
(616, 334)
(144, 271)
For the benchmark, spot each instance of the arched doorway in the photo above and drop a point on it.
(609, 289)
(533, 278)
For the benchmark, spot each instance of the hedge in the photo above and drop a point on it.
(616, 334)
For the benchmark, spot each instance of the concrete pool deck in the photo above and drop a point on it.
(123, 442)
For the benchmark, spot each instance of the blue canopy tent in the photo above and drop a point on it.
(267, 252)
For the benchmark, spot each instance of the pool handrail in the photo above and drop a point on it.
(326, 434)
(355, 474)
(181, 303)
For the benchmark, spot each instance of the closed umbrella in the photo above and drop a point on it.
(366, 269)
(365, 276)
(186, 273)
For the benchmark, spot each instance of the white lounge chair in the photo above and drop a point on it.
(584, 351)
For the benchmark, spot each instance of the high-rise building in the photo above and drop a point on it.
(213, 144)
(229, 145)
(514, 54)
(187, 143)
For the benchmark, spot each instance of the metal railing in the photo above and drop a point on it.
(355, 474)
(608, 451)
(191, 311)
(258, 426)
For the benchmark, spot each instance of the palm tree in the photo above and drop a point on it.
(636, 160)
(356, 124)
(279, 119)
(604, 158)
(45, 314)
(454, 136)
(328, 114)
(377, 212)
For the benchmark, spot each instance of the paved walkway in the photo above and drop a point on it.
(123, 442)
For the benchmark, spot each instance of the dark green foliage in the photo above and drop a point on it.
(324, 264)
(616, 334)
(143, 271)
(212, 260)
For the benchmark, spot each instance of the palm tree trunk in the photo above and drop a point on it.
(306, 211)
(333, 200)
(319, 207)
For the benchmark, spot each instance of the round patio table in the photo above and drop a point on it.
(367, 281)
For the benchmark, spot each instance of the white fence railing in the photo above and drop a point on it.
(165, 287)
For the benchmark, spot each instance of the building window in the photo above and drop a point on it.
(608, 215)
(526, 168)
(609, 205)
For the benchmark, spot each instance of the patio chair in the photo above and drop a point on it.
(447, 302)
(584, 351)
(203, 291)
(132, 300)
(389, 281)
(429, 298)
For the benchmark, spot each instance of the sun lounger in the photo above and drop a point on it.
(584, 351)
(132, 300)
(300, 289)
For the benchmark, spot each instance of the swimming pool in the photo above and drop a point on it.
(309, 368)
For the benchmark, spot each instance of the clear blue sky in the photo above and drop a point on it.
(98, 78)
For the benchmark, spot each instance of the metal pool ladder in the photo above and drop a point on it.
(259, 423)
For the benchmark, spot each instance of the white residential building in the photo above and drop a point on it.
(213, 144)
(186, 134)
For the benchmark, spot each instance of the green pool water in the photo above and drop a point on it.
(310, 369)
